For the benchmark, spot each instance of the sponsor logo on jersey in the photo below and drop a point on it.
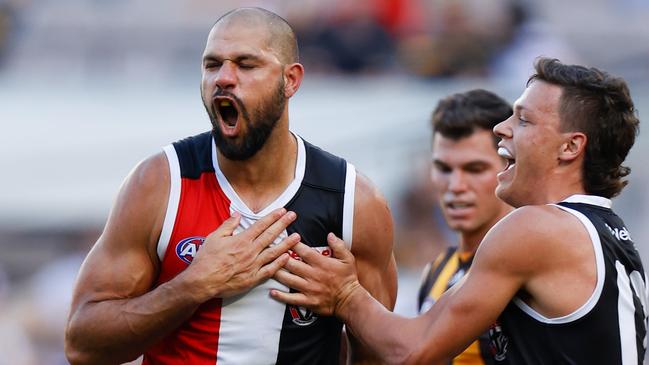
(621, 234)
(302, 316)
(187, 248)
(324, 251)
(498, 342)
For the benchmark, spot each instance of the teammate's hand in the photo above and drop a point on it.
(229, 264)
(324, 283)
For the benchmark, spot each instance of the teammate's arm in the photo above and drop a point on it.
(372, 243)
(506, 259)
(116, 313)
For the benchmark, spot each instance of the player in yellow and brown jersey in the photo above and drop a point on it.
(465, 164)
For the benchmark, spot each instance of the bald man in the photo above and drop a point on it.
(181, 273)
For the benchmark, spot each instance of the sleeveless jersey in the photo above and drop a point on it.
(611, 327)
(250, 328)
(439, 276)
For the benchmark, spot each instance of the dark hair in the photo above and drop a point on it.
(457, 116)
(600, 106)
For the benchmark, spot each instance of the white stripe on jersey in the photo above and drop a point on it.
(626, 310)
(172, 204)
(348, 205)
(242, 340)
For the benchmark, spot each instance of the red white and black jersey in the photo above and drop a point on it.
(250, 328)
(611, 327)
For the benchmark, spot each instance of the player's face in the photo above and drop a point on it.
(464, 175)
(531, 141)
(242, 89)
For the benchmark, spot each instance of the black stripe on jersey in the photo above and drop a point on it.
(319, 207)
(195, 155)
(433, 273)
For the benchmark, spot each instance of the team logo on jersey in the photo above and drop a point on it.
(498, 342)
(302, 316)
(187, 248)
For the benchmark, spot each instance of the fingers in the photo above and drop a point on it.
(339, 248)
(262, 224)
(267, 271)
(307, 254)
(267, 236)
(297, 299)
(291, 280)
(228, 226)
(273, 252)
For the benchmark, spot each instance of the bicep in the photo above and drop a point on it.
(372, 243)
(122, 263)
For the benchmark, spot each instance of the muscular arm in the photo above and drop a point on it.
(506, 263)
(116, 313)
(372, 248)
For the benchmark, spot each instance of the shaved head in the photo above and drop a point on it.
(279, 34)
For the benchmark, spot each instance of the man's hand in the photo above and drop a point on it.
(324, 283)
(228, 264)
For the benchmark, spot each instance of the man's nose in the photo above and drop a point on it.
(457, 181)
(502, 129)
(226, 77)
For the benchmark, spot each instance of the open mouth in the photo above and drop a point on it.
(227, 110)
(508, 156)
(458, 205)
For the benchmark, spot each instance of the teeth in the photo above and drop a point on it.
(225, 103)
(503, 152)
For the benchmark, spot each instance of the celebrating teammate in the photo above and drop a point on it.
(558, 280)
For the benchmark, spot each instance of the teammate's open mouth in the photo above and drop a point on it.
(459, 205)
(504, 153)
(228, 111)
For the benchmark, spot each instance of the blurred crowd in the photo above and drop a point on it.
(421, 38)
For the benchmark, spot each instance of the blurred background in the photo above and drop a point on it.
(89, 88)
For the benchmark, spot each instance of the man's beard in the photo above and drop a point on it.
(259, 124)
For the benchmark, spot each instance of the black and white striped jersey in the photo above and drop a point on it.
(611, 327)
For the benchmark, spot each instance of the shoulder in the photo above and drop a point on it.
(138, 212)
(530, 236)
(151, 175)
(370, 207)
(372, 219)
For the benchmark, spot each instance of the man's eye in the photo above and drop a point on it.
(443, 169)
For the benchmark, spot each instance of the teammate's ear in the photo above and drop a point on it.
(573, 147)
(293, 74)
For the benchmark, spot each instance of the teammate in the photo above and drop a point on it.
(558, 280)
(180, 273)
(465, 165)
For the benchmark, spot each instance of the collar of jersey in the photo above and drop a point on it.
(283, 199)
(589, 199)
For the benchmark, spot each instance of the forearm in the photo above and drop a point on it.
(116, 331)
(394, 339)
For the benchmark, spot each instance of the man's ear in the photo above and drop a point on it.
(573, 147)
(293, 74)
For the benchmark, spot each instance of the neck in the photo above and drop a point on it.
(262, 178)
